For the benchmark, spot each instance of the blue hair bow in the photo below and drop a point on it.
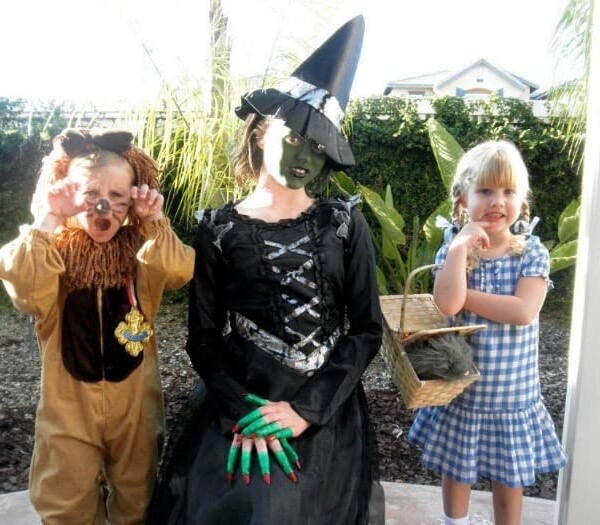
(450, 230)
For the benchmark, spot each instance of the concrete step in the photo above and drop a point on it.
(405, 505)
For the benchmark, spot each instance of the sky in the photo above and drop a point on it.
(93, 50)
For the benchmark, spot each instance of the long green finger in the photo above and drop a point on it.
(263, 459)
(255, 400)
(232, 456)
(246, 456)
(248, 418)
(256, 424)
(282, 460)
(290, 452)
(283, 433)
(265, 430)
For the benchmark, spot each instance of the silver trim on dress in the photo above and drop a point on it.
(289, 355)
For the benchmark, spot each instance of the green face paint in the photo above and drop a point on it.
(291, 160)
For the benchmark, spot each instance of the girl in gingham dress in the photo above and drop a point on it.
(499, 427)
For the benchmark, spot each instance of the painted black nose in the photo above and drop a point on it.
(102, 206)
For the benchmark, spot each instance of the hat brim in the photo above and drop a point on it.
(300, 117)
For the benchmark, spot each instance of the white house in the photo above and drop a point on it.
(477, 80)
(480, 79)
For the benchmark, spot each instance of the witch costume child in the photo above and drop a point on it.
(284, 317)
(91, 270)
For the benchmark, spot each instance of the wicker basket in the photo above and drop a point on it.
(413, 317)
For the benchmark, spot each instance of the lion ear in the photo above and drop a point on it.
(71, 140)
(113, 140)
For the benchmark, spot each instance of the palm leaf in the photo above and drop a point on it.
(446, 150)
(390, 220)
(563, 256)
(568, 221)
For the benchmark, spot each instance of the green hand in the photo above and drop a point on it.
(246, 445)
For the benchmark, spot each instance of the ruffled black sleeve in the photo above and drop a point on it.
(206, 321)
(321, 396)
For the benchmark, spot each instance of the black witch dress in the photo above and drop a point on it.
(287, 311)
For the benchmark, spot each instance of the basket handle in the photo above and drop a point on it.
(407, 288)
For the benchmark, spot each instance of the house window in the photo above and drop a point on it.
(416, 94)
(477, 94)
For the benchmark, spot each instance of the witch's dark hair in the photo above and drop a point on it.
(248, 156)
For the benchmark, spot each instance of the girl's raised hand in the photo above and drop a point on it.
(473, 236)
(147, 202)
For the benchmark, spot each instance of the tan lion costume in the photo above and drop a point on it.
(100, 413)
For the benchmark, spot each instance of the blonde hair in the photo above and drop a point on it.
(99, 159)
(495, 163)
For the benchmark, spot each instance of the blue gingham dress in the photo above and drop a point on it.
(498, 428)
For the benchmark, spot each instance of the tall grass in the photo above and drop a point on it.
(192, 129)
(192, 145)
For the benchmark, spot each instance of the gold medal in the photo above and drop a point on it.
(134, 332)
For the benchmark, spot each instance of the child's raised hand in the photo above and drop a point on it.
(473, 236)
(147, 203)
(64, 199)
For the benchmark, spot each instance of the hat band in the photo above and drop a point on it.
(318, 98)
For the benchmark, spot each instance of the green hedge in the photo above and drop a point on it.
(389, 139)
(391, 145)
(20, 158)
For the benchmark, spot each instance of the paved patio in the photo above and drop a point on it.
(405, 505)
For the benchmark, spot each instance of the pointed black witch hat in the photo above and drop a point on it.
(313, 100)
